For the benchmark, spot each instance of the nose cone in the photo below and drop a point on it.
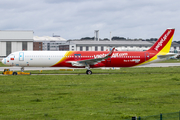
(3, 61)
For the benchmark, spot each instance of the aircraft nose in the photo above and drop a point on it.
(3, 61)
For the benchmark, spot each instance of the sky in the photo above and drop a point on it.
(75, 19)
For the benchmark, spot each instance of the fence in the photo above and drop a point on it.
(166, 116)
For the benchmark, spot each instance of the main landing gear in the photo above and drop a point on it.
(88, 72)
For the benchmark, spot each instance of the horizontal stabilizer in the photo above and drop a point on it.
(166, 56)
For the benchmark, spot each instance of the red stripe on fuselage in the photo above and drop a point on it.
(118, 59)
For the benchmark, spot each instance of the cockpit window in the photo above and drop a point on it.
(11, 55)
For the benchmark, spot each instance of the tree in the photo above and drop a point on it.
(87, 38)
(118, 38)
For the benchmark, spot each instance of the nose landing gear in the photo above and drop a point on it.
(22, 69)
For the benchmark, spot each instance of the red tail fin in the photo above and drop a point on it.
(163, 44)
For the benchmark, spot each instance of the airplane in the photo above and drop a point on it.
(93, 59)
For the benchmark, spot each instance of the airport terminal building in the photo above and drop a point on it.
(11, 41)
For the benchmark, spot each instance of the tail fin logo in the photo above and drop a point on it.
(162, 40)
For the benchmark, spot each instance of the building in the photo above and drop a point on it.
(79, 45)
(106, 45)
(37, 46)
(47, 43)
(11, 41)
(175, 47)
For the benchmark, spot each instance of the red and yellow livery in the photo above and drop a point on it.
(93, 59)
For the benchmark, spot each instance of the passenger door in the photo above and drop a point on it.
(21, 56)
(146, 56)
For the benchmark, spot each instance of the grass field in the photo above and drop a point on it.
(122, 94)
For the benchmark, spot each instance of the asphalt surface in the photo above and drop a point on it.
(160, 65)
(57, 68)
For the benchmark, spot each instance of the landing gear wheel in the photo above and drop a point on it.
(88, 72)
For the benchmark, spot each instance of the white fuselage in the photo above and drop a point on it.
(34, 58)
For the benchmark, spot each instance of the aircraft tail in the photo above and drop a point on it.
(163, 44)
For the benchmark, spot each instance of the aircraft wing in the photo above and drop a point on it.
(91, 61)
(166, 56)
